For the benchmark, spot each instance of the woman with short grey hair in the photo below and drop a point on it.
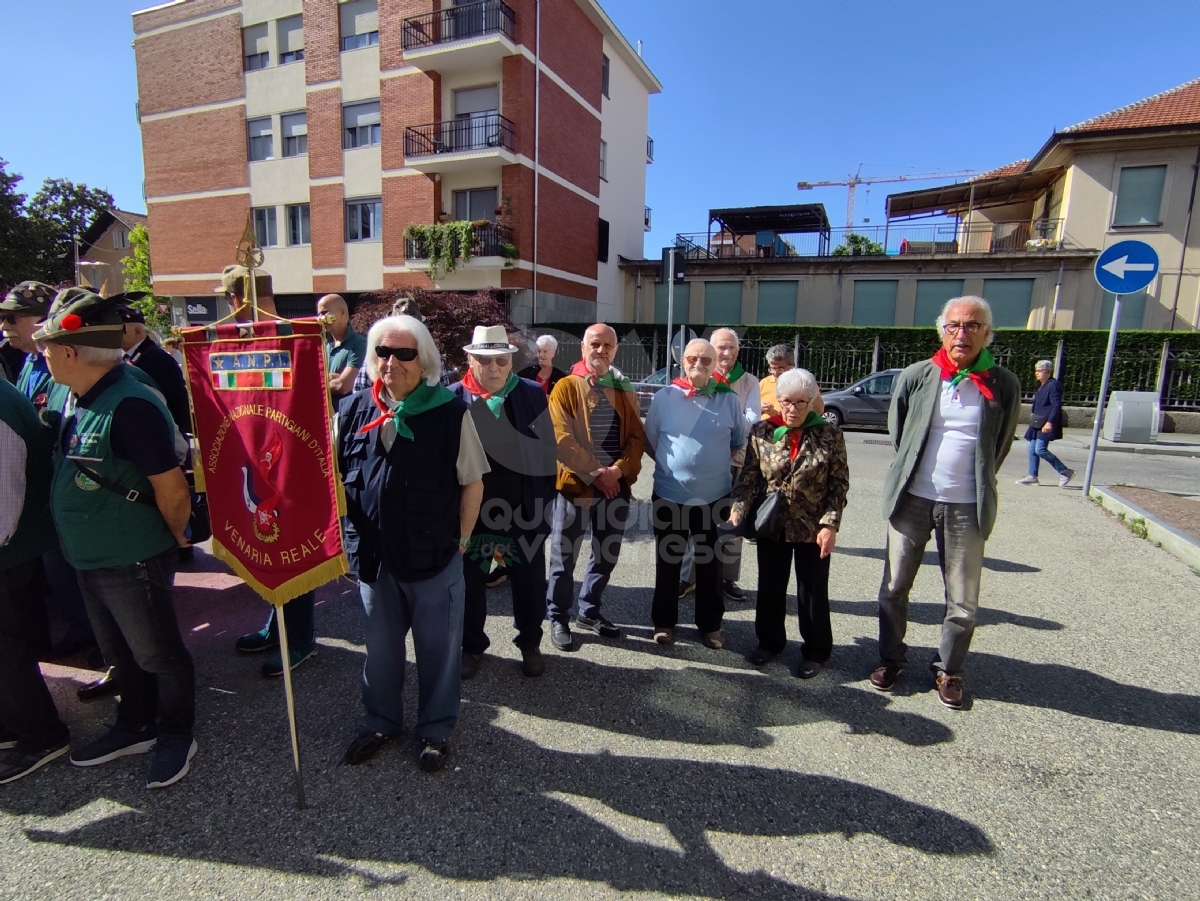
(1045, 425)
(544, 372)
(780, 358)
(800, 456)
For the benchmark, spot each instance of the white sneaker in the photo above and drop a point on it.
(1028, 480)
(1065, 478)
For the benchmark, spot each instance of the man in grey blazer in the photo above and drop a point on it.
(952, 422)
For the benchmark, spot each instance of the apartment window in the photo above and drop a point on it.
(722, 302)
(261, 143)
(1011, 299)
(1133, 310)
(1139, 195)
(297, 223)
(476, 204)
(256, 52)
(265, 231)
(777, 302)
(604, 76)
(120, 239)
(932, 295)
(360, 125)
(294, 129)
(360, 24)
(364, 220)
(604, 160)
(683, 299)
(874, 303)
(602, 242)
(291, 39)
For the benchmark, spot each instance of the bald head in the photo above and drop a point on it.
(599, 347)
(335, 307)
(699, 359)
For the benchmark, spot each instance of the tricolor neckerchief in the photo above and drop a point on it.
(813, 420)
(423, 398)
(976, 372)
(735, 373)
(610, 379)
(494, 401)
(716, 385)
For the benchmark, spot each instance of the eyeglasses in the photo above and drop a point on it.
(703, 361)
(953, 328)
(802, 402)
(9, 318)
(403, 354)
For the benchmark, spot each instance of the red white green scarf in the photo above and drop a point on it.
(610, 379)
(716, 385)
(976, 372)
(813, 420)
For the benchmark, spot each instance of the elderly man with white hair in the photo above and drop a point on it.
(413, 468)
(544, 372)
(952, 422)
(695, 426)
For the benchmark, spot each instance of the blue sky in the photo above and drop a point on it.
(757, 94)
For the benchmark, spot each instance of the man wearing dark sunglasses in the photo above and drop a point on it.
(20, 312)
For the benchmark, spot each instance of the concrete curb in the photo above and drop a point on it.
(1167, 537)
(1155, 449)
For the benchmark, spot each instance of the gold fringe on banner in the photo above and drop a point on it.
(292, 588)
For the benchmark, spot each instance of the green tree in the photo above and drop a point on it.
(61, 210)
(858, 246)
(139, 277)
(18, 243)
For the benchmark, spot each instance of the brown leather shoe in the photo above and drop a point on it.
(714, 640)
(950, 690)
(884, 676)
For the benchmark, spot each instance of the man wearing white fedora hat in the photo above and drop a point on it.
(514, 428)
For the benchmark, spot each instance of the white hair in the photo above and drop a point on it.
(548, 341)
(428, 354)
(1043, 365)
(98, 356)
(731, 333)
(797, 380)
(712, 351)
(978, 303)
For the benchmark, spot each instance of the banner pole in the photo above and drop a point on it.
(286, 660)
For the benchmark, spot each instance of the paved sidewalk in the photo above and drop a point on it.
(1170, 444)
(634, 771)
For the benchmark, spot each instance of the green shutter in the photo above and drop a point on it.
(722, 303)
(777, 303)
(932, 294)
(1010, 299)
(874, 302)
(682, 302)
(1133, 310)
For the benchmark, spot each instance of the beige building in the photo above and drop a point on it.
(1025, 237)
(103, 247)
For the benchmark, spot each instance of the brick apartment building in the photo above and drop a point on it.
(336, 125)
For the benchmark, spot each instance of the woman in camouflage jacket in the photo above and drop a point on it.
(796, 451)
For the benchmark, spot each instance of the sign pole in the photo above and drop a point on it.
(670, 307)
(1108, 361)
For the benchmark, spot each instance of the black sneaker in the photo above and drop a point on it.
(561, 637)
(172, 760)
(117, 742)
(365, 746)
(733, 591)
(470, 665)
(262, 640)
(599, 625)
(532, 662)
(434, 754)
(686, 588)
(274, 666)
(17, 762)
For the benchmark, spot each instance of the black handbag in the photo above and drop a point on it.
(764, 519)
(1038, 421)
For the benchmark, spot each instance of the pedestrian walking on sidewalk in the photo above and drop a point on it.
(1045, 425)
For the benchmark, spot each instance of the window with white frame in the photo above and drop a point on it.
(604, 160)
(364, 219)
(262, 146)
(265, 230)
(256, 50)
(293, 127)
(476, 204)
(360, 125)
(120, 239)
(359, 23)
(297, 224)
(1139, 195)
(291, 39)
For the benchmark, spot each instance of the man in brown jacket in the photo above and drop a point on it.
(598, 429)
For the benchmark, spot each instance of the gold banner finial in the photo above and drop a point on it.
(249, 254)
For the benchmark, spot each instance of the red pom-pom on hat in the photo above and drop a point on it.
(71, 322)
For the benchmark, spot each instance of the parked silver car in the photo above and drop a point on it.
(866, 402)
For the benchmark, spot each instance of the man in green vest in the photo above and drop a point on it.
(31, 732)
(121, 505)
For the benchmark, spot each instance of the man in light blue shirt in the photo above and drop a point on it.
(694, 428)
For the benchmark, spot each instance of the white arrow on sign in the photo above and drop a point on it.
(1121, 265)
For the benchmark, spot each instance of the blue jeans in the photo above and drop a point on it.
(133, 614)
(1040, 447)
(606, 519)
(298, 615)
(433, 610)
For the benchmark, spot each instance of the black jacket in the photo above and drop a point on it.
(531, 373)
(161, 366)
(1047, 402)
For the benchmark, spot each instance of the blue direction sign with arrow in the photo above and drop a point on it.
(1127, 267)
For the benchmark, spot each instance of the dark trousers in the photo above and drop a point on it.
(133, 614)
(525, 565)
(606, 519)
(65, 598)
(673, 523)
(299, 617)
(812, 597)
(26, 708)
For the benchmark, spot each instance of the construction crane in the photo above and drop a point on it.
(856, 179)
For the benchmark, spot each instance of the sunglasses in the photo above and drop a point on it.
(9, 318)
(704, 361)
(403, 354)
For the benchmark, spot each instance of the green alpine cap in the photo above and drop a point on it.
(80, 317)
(29, 298)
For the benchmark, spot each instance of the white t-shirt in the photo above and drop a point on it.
(946, 471)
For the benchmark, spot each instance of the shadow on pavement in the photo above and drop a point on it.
(931, 559)
(929, 614)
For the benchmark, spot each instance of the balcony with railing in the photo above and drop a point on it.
(647, 220)
(459, 143)
(489, 241)
(458, 38)
(649, 149)
(936, 239)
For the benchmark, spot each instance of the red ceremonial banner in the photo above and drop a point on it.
(266, 459)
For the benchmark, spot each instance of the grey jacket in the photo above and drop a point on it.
(917, 390)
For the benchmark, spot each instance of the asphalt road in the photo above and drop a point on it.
(633, 771)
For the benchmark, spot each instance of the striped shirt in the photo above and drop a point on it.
(605, 427)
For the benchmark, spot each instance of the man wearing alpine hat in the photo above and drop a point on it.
(20, 312)
(514, 427)
(121, 504)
